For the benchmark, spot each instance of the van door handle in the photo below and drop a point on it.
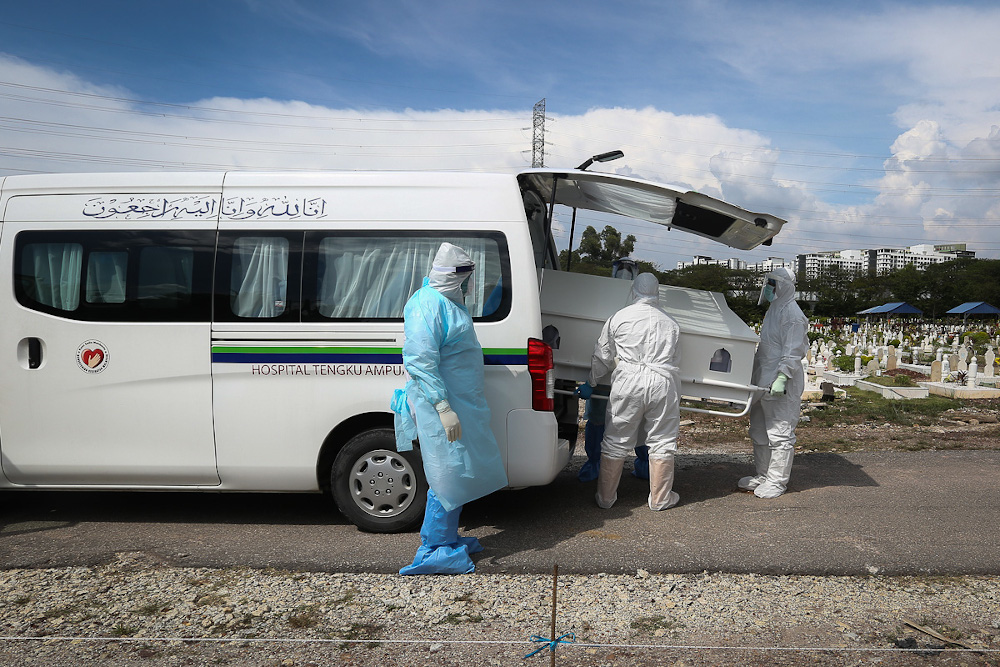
(34, 353)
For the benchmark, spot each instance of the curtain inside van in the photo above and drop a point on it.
(50, 273)
(106, 277)
(372, 277)
(259, 276)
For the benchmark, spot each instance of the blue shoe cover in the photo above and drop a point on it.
(593, 434)
(589, 471)
(452, 559)
(471, 543)
(641, 467)
(441, 550)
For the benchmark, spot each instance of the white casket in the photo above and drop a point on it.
(716, 347)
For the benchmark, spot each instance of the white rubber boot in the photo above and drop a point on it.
(661, 482)
(761, 460)
(778, 474)
(607, 482)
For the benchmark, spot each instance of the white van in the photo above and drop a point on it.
(243, 332)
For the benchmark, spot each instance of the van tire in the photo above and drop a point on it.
(377, 488)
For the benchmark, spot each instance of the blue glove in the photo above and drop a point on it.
(584, 390)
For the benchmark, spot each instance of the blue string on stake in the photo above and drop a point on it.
(551, 643)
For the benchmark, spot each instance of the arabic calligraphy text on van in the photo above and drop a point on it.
(203, 207)
(256, 208)
(152, 208)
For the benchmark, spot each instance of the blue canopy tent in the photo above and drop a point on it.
(974, 308)
(895, 308)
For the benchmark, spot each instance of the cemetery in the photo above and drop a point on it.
(888, 385)
(905, 360)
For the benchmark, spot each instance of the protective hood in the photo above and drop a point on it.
(645, 289)
(784, 286)
(452, 267)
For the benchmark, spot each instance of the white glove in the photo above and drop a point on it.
(452, 427)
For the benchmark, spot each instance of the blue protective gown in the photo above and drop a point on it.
(445, 362)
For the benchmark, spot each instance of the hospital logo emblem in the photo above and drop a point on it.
(92, 357)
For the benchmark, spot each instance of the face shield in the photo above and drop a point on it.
(451, 272)
(767, 291)
(624, 269)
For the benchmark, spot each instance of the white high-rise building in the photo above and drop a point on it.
(703, 260)
(880, 261)
(770, 264)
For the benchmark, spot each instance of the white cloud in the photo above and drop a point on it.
(936, 187)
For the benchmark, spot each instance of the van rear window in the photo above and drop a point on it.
(50, 274)
(116, 276)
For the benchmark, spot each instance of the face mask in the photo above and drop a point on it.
(769, 292)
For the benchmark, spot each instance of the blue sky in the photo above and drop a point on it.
(864, 124)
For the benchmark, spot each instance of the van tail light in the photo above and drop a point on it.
(543, 376)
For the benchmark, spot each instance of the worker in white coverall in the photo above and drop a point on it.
(644, 392)
(777, 365)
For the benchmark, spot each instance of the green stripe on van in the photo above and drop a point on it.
(291, 349)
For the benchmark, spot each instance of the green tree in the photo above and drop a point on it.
(906, 284)
(834, 294)
(605, 247)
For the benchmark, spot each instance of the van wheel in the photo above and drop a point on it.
(377, 488)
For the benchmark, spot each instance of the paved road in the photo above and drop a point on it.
(891, 513)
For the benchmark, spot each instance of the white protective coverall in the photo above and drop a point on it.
(773, 416)
(644, 392)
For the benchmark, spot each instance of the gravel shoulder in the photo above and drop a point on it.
(150, 614)
(138, 610)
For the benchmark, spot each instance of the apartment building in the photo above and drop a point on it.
(880, 261)
(764, 266)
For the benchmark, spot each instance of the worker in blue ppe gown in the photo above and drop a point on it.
(644, 392)
(778, 366)
(444, 409)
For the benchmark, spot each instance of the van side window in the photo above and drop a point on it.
(257, 276)
(368, 276)
(166, 277)
(106, 276)
(535, 213)
(122, 276)
(50, 274)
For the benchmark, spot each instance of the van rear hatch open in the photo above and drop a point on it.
(716, 347)
(653, 202)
